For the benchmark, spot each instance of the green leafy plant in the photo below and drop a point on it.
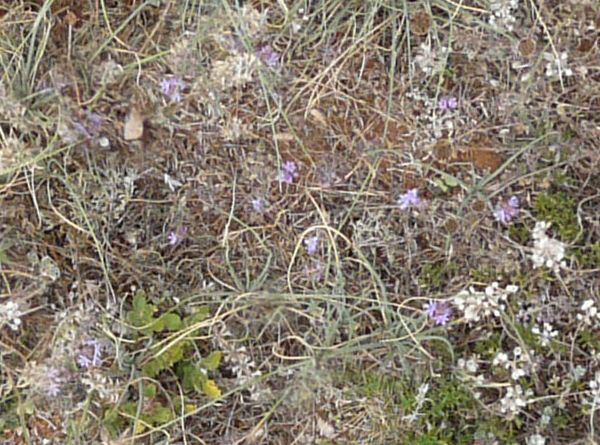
(141, 316)
(180, 355)
(559, 209)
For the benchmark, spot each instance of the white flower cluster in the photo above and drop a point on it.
(519, 365)
(589, 312)
(10, 315)
(557, 66)
(546, 333)
(546, 251)
(471, 366)
(536, 439)
(501, 16)
(430, 61)
(514, 399)
(594, 386)
(475, 304)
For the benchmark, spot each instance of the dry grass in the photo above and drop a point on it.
(142, 147)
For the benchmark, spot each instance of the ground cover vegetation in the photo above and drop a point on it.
(293, 222)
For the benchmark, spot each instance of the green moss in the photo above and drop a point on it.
(588, 257)
(559, 209)
(484, 275)
(520, 233)
(489, 345)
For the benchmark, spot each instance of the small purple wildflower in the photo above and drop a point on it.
(171, 87)
(506, 211)
(312, 244)
(439, 312)
(91, 354)
(90, 126)
(268, 56)
(289, 171)
(53, 381)
(410, 198)
(177, 235)
(95, 122)
(258, 204)
(448, 103)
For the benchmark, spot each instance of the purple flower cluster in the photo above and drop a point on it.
(91, 354)
(506, 211)
(268, 56)
(289, 171)
(408, 199)
(171, 87)
(312, 244)
(53, 381)
(448, 103)
(258, 204)
(177, 235)
(90, 126)
(439, 311)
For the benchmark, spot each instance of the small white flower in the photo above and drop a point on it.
(546, 334)
(10, 315)
(546, 251)
(475, 304)
(430, 61)
(519, 366)
(501, 359)
(514, 400)
(557, 66)
(502, 14)
(589, 312)
(594, 386)
(536, 439)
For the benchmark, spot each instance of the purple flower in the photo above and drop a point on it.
(177, 235)
(506, 211)
(53, 381)
(289, 171)
(90, 126)
(95, 122)
(410, 198)
(258, 204)
(448, 103)
(312, 244)
(91, 354)
(439, 312)
(268, 56)
(171, 87)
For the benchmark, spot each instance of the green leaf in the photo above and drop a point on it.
(160, 414)
(198, 316)
(192, 378)
(441, 184)
(172, 322)
(129, 408)
(212, 361)
(450, 181)
(112, 421)
(139, 301)
(165, 360)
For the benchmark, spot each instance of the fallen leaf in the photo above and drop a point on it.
(134, 125)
